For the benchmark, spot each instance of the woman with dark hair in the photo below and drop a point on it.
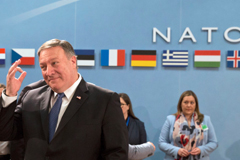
(187, 134)
(136, 129)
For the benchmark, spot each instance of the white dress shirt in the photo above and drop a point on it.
(4, 148)
(65, 100)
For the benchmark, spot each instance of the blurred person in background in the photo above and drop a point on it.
(136, 130)
(188, 134)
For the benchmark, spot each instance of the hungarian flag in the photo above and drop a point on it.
(27, 56)
(85, 57)
(113, 57)
(207, 58)
(144, 58)
(2, 56)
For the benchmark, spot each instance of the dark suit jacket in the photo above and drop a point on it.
(136, 132)
(92, 128)
(17, 148)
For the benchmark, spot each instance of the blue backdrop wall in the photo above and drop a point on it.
(124, 24)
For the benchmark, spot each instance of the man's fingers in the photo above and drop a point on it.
(14, 68)
(12, 74)
(14, 65)
(22, 76)
(19, 69)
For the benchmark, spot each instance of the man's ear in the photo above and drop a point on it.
(74, 60)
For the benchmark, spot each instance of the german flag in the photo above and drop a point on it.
(144, 58)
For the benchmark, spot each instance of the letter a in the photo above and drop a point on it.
(187, 34)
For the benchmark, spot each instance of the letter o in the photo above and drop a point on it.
(229, 39)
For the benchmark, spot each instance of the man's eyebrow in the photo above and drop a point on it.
(49, 60)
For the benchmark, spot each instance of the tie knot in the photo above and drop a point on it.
(61, 95)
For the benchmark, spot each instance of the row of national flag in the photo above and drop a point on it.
(139, 58)
(27, 56)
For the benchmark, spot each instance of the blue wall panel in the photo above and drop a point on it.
(124, 24)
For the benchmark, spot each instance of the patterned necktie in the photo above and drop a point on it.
(53, 115)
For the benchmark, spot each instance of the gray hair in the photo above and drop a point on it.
(66, 46)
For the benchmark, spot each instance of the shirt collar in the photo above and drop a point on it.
(71, 90)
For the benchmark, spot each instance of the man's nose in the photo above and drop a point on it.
(50, 70)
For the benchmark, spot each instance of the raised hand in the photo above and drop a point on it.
(13, 83)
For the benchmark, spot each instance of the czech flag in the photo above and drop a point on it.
(27, 56)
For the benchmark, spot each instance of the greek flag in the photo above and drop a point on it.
(175, 58)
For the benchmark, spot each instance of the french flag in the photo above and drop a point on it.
(27, 56)
(113, 57)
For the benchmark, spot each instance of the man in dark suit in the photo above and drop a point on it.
(63, 118)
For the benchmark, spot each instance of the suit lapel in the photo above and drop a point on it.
(130, 126)
(74, 105)
(44, 110)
